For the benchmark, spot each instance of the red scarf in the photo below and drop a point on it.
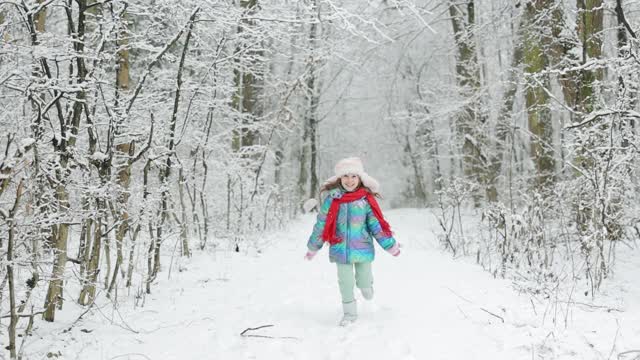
(329, 231)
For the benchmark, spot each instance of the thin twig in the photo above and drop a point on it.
(458, 295)
(463, 314)
(131, 354)
(608, 309)
(265, 336)
(615, 338)
(257, 328)
(23, 315)
(93, 301)
(620, 355)
(490, 313)
(534, 307)
(27, 333)
(127, 327)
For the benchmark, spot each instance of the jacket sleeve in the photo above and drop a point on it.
(375, 229)
(315, 242)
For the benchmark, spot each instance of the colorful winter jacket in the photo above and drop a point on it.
(356, 225)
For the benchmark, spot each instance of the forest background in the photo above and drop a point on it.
(133, 132)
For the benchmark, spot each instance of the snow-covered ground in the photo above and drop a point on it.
(427, 306)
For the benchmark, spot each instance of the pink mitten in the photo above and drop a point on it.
(309, 255)
(395, 249)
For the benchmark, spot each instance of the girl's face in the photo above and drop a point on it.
(350, 182)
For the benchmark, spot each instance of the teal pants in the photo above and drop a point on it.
(363, 279)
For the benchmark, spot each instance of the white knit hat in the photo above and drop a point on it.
(353, 165)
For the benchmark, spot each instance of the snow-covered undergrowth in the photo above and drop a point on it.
(428, 305)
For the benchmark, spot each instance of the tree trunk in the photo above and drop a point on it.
(193, 193)
(4, 36)
(504, 124)
(472, 117)
(313, 100)
(246, 82)
(88, 292)
(145, 196)
(623, 52)
(203, 192)
(125, 150)
(536, 62)
(40, 18)
(418, 180)
(425, 136)
(589, 23)
(124, 179)
(627, 85)
(165, 172)
(184, 239)
(13, 322)
(303, 174)
(54, 297)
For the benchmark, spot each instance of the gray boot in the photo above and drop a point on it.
(350, 310)
(367, 293)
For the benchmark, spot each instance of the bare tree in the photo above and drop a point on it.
(471, 119)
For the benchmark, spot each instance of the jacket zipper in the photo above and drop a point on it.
(347, 235)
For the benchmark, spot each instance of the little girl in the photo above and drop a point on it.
(347, 220)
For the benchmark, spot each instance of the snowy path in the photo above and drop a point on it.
(427, 306)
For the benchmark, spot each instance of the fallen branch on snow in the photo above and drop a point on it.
(590, 306)
(481, 308)
(243, 333)
(490, 313)
(636, 352)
